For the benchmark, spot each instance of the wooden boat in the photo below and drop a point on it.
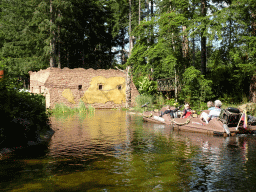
(228, 124)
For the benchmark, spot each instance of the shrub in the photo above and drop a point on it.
(196, 89)
(160, 101)
(143, 99)
(147, 87)
(24, 114)
(171, 102)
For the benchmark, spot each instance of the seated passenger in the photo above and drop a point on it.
(187, 111)
(214, 113)
(210, 105)
(168, 110)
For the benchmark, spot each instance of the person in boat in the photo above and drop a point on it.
(187, 111)
(169, 111)
(210, 105)
(214, 113)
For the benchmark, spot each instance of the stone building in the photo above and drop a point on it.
(98, 88)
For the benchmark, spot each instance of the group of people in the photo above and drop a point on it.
(214, 111)
(186, 112)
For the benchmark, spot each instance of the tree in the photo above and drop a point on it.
(22, 44)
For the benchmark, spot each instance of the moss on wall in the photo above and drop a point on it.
(103, 89)
(68, 95)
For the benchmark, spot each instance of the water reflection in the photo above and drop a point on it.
(113, 151)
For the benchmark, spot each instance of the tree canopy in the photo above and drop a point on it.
(216, 38)
(213, 40)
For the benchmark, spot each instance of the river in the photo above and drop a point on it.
(113, 150)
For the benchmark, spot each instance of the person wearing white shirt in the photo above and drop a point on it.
(214, 113)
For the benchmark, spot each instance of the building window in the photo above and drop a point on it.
(100, 86)
(39, 89)
(119, 87)
(79, 87)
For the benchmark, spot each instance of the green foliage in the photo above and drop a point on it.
(231, 61)
(2, 65)
(85, 33)
(147, 87)
(76, 33)
(143, 99)
(24, 115)
(171, 102)
(159, 100)
(62, 109)
(195, 87)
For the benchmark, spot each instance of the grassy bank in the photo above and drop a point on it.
(62, 109)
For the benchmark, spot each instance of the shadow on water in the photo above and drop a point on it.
(112, 150)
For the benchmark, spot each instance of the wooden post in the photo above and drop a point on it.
(128, 87)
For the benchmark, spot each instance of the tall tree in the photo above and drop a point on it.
(203, 37)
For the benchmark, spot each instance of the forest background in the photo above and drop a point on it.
(208, 46)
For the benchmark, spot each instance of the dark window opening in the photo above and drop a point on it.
(100, 87)
(119, 87)
(79, 87)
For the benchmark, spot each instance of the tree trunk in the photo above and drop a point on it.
(128, 87)
(52, 43)
(67, 58)
(152, 27)
(253, 14)
(139, 11)
(194, 54)
(59, 63)
(130, 28)
(185, 43)
(203, 40)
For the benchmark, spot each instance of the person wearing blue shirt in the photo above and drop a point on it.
(213, 113)
(210, 105)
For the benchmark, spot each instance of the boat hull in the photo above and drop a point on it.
(195, 124)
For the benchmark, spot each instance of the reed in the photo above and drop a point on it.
(141, 100)
(61, 108)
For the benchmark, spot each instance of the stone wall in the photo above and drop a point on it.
(53, 81)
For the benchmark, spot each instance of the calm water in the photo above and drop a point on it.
(112, 150)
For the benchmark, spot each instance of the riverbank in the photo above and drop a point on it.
(43, 139)
(24, 118)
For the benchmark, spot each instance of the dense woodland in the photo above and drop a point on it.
(208, 46)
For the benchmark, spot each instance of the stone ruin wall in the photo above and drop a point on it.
(54, 81)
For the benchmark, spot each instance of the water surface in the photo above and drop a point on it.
(112, 150)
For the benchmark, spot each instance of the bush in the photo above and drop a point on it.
(24, 114)
(171, 102)
(159, 100)
(196, 89)
(143, 99)
(147, 87)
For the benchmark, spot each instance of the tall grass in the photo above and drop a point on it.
(141, 100)
(61, 108)
(160, 100)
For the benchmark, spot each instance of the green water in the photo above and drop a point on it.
(111, 150)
